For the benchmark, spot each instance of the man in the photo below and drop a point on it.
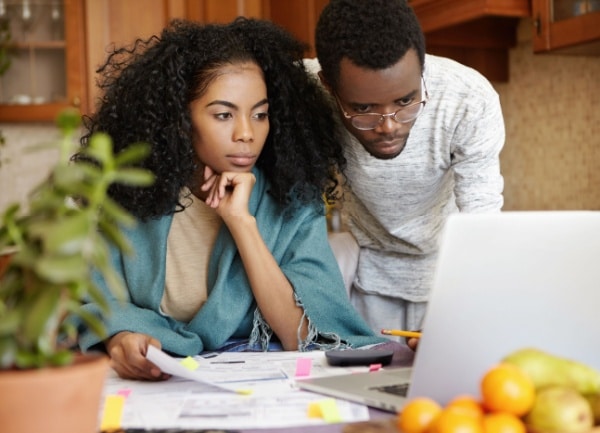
(422, 139)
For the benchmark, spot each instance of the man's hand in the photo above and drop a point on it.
(127, 351)
(413, 343)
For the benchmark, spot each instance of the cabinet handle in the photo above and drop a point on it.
(76, 101)
(537, 23)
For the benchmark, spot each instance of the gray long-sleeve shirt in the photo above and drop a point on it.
(396, 208)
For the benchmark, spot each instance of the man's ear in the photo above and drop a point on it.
(324, 82)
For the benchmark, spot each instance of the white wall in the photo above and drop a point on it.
(23, 166)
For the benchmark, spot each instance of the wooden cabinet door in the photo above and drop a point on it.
(441, 14)
(119, 22)
(223, 11)
(566, 26)
(476, 33)
(299, 17)
(53, 63)
(115, 23)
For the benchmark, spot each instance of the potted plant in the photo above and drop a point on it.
(5, 37)
(49, 256)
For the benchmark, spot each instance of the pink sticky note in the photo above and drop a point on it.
(124, 392)
(303, 366)
(374, 367)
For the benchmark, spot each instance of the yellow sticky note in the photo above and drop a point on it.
(326, 409)
(189, 363)
(112, 413)
(314, 410)
(329, 410)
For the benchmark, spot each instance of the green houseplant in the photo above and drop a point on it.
(5, 38)
(49, 258)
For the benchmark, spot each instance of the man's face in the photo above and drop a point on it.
(382, 91)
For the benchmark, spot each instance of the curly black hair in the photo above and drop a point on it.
(374, 34)
(147, 90)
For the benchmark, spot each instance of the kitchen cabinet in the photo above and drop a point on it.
(114, 23)
(566, 26)
(64, 62)
(477, 33)
(47, 71)
(298, 17)
(223, 11)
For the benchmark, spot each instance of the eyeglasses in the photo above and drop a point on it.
(368, 121)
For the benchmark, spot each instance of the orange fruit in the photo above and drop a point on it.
(500, 422)
(467, 403)
(506, 388)
(417, 415)
(456, 420)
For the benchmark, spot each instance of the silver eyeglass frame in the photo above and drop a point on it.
(423, 102)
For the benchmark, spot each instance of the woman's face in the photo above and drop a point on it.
(230, 120)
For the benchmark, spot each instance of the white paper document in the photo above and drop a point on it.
(170, 365)
(229, 391)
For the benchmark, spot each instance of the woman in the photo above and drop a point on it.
(231, 248)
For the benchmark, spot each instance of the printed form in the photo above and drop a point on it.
(232, 391)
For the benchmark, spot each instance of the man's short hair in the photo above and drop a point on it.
(374, 34)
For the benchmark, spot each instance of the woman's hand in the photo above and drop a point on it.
(228, 192)
(127, 351)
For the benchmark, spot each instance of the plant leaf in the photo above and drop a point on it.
(114, 282)
(97, 296)
(62, 357)
(116, 236)
(90, 320)
(60, 270)
(135, 152)
(100, 148)
(8, 352)
(69, 176)
(25, 358)
(90, 171)
(10, 322)
(134, 177)
(116, 212)
(41, 314)
(68, 120)
(65, 236)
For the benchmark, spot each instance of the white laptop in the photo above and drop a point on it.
(503, 281)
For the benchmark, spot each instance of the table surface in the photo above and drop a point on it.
(380, 421)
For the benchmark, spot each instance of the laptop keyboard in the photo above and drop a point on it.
(400, 389)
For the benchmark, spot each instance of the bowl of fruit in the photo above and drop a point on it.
(528, 391)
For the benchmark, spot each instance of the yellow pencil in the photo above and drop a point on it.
(398, 333)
